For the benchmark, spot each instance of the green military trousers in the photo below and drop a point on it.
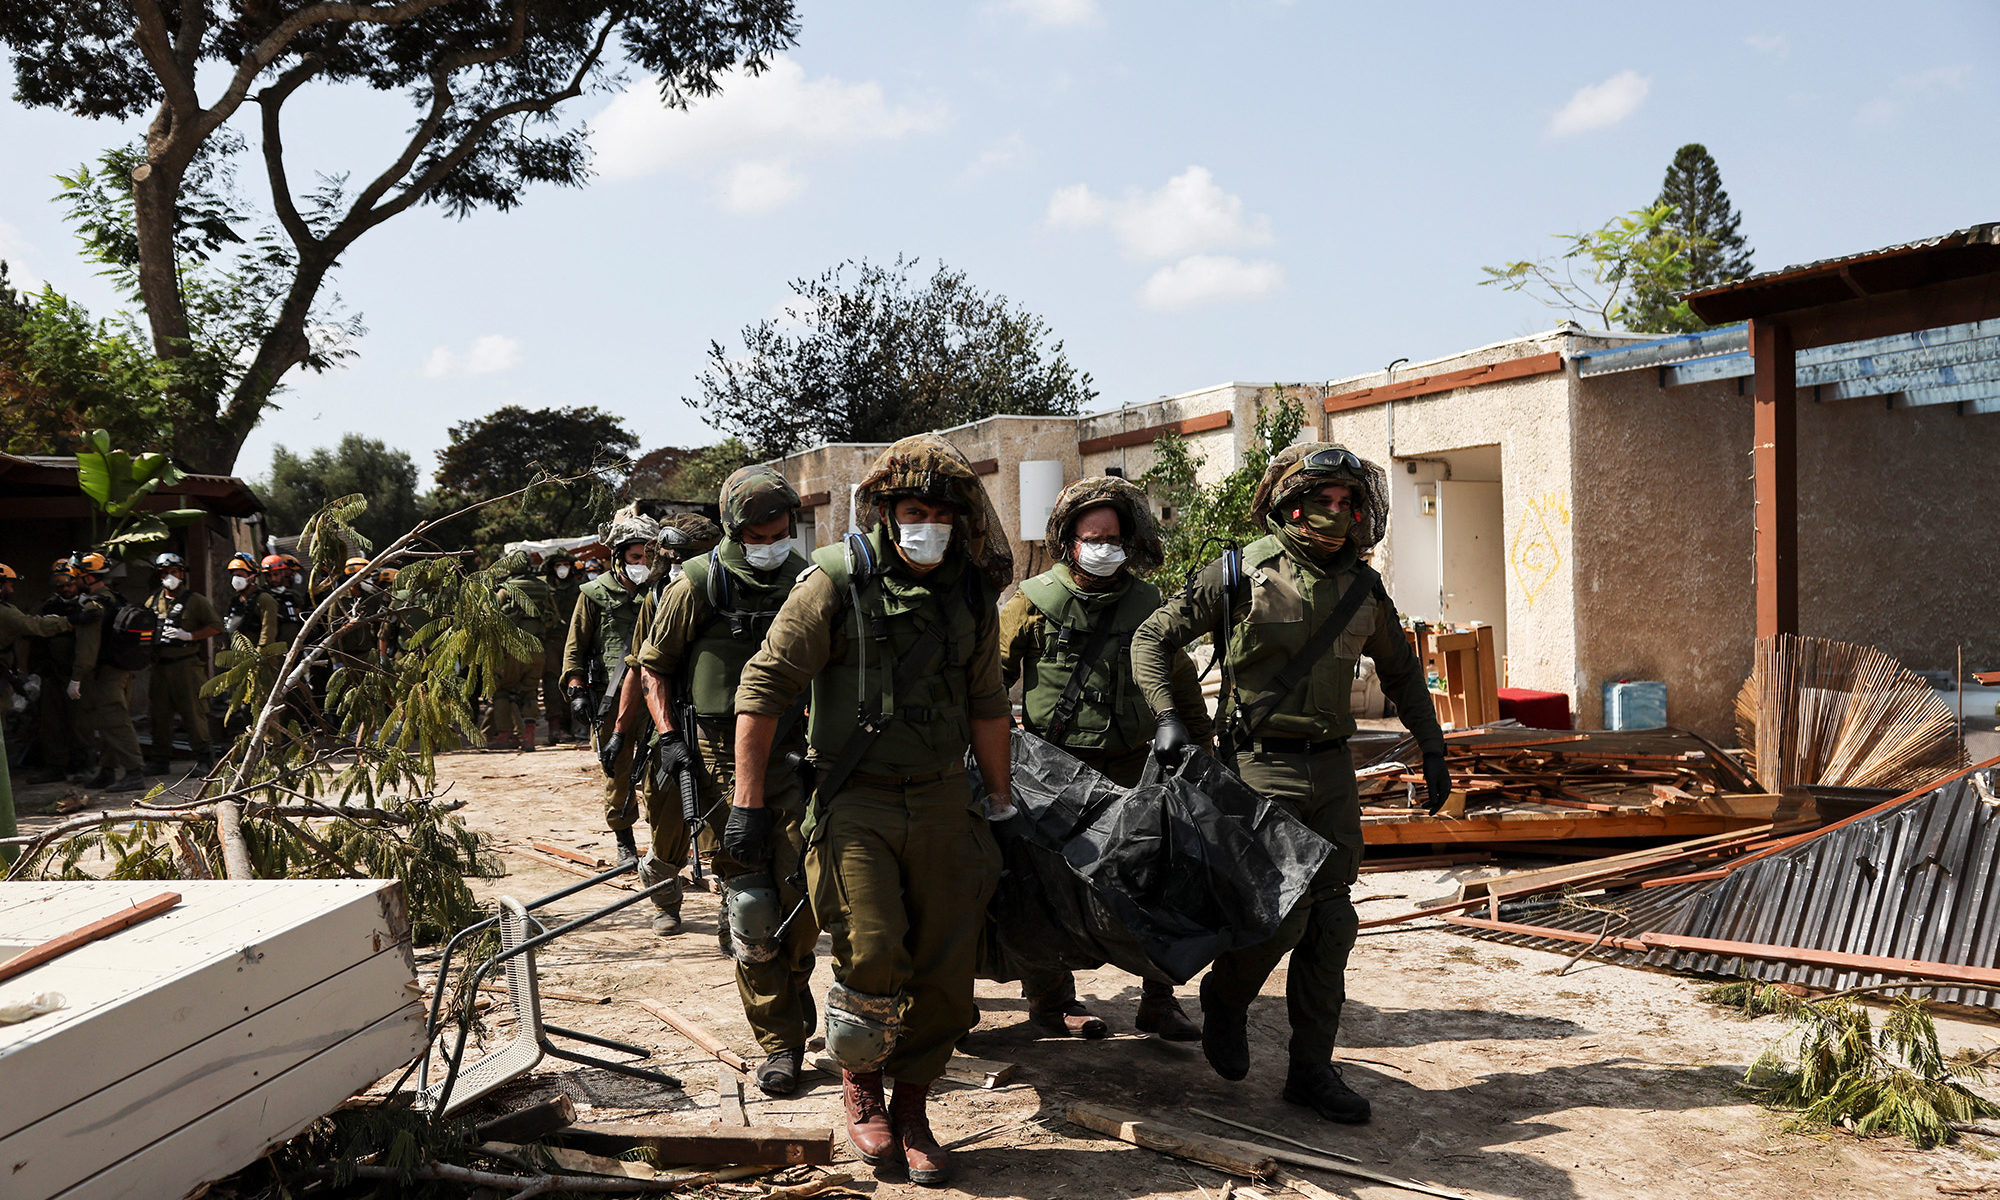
(777, 1000)
(622, 800)
(1319, 790)
(106, 716)
(900, 875)
(517, 697)
(176, 692)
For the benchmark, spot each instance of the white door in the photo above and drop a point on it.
(1472, 560)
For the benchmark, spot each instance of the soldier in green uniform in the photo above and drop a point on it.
(100, 685)
(683, 537)
(1067, 634)
(1290, 667)
(896, 635)
(560, 573)
(65, 752)
(186, 619)
(600, 644)
(527, 600)
(710, 621)
(14, 626)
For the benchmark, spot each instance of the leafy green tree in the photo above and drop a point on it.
(1709, 225)
(689, 475)
(866, 354)
(119, 483)
(63, 373)
(1600, 272)
(1206, 516)
(486, 81)
(512, 452)
(301, 485)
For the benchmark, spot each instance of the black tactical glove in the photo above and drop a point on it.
(1171, 739)
(608, 750)
(747, 836)
(579, 705)
(670, 758)
(1437, 783)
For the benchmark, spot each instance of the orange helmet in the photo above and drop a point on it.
(92, 563)
(8, 573)
(276, 562)
(242, 560)
(354, 564)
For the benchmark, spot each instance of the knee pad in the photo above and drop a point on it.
(752, 905)
(861, 1030)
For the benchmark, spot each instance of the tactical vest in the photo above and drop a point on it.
(169, 607)
(1287, 604)
(1110, 712)
(246, 616)
(739, 617)
(617, 612)
(530, 602)
(884, 616)
(291, 615)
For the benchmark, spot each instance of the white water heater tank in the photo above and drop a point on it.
(1041, 483)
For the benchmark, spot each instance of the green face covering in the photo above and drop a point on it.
(1326, 524)
(1318, 535)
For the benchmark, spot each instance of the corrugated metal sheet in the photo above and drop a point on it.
(1921, 880)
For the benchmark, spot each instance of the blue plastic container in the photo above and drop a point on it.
(1635, 704)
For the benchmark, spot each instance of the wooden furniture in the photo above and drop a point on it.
(1468, 666)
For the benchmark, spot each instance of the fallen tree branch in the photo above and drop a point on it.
(535, 1185)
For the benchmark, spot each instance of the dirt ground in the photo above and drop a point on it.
(1489, 1073)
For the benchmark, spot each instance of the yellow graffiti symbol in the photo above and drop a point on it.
(1537, 554)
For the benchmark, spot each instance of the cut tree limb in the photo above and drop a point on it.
(229, 827)
(702, 1146)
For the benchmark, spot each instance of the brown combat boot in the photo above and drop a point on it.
(928, 1162)
(1160, 1014)
(527, 735)
(867, 1117)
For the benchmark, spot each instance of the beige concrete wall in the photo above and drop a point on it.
(1012, 441)
(1220, 449)
(832, 469)
(1661, 528)
(1899, 529)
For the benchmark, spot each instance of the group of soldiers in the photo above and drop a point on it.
(814, 718)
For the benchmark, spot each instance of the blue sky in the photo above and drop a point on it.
(1188, 192)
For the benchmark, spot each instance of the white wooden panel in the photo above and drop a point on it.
(69, 1144)
(232, 949)
(234, 1135)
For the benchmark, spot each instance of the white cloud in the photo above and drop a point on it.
(1932, 83)
(1005, 153)
(1601, 105)
(1207, 278)
(487, 355)
(758, 187)
(749, 138)
(1052, 14)
(1188, 214)
(1777, 45)
(15, 252)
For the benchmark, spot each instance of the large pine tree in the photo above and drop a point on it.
(1710, 224)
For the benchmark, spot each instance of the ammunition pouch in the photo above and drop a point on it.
(751, 902)
(861, 1030)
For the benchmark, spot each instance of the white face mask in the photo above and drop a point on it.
(1101, 559)
(638, 572)
(367, 586)
(562, 572)
(767, 557)
(172, 582)
(298, 580)
(240, 582)
(673, 571)
(924, 545)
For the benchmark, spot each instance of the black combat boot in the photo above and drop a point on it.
(779, 1075)
(1225, 1034)
(628, 846)
(1318, 1086)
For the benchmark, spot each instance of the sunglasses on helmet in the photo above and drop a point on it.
(1332, 458)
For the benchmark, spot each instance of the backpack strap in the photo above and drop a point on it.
(1249, 715)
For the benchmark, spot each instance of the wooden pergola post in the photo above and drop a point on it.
(1775, 457)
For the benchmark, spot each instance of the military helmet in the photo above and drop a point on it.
(162, 562)
(753, 495)
(242, 561)
(927, 467)
(90, 563)
(1298, 469)
(1143, 551)
(629, 525)
(686, 535)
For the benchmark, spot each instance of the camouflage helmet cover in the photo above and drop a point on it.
(927, 467)
(687, 535)
(754, 495)
(629, 525)
(1293, 470)
(1143, 551)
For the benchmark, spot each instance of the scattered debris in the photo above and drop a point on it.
(1817, 711)
(701, 1146)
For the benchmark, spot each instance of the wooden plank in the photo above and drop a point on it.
(1474, 830)
(530, 1123)
(103, 927)
(1559, 935)
(1425, 385)
(1521, 883)
(985, 466)
(1224, 1154)
(694, 1033)
(147, 1106)
(729, 1096)
(1140, 437)
(153, 992)
(702, 1146)
(563, 864)
(1914, 968)
(225, 1139)
(961, 1068)
(1774, 456)
(815, 499)
(597, 865)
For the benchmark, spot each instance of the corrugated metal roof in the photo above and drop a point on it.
(1921, 880)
